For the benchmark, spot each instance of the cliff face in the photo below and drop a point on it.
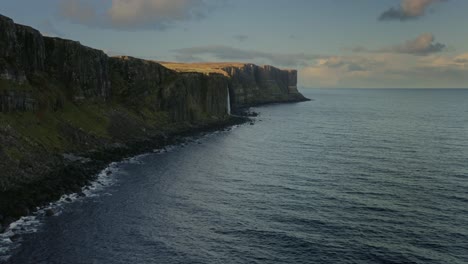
(185, 97)
(83, 72)
(249, 84)
(59, 97)
(252, 85)
(22, 50)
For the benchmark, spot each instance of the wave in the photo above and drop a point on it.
(12, 237)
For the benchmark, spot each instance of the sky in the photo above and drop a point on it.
(332, 43)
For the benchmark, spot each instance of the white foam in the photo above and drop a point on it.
(104, 179)
(25, 225)
(30, 224)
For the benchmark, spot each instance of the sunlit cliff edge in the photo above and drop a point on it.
(66, 109)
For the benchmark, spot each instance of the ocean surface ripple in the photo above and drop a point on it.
(355, 176)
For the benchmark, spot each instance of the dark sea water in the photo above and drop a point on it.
(355, 176)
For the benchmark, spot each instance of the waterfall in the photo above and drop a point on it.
(228, 102)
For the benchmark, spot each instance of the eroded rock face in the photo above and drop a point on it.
(83, 71)
(83, 102)
(134, 79)
(252, 85)
(196, 96)
(31, 55)
(186, 97)
(11, 101)
(21, 50)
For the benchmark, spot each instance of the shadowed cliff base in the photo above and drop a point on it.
(60, 99)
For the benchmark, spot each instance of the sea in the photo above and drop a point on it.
(353, 176)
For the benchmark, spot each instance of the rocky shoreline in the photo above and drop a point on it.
(68, 110)
(79, 171)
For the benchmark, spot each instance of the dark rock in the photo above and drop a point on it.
(21, 210)
(7, 221)
(83, 70)
(49, 212)
(15, 237)
(68, 199)
(251, 85)
(147, 98)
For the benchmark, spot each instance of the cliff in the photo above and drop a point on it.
(66, 110)
(250, 84)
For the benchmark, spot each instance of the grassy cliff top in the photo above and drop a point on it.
(202, 67)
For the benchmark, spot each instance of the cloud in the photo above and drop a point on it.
(409, 9)
(334, 71)
(134, 14)
(387, 70)
(77, 11)
(461, 59)
(226, 53)
(349, 63)
(241, 38)
(153, 13)
(422, 45)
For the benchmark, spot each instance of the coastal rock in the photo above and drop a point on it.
(83, 71)
(186, 97)
(22, 50)
(49, 212)
(11, 100)
(249, 84)
(253, 85)
(59, 97)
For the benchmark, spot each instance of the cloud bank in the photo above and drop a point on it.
(422, 45)
(387, 70)
(133, 14)
(409, 9)
(227, 53)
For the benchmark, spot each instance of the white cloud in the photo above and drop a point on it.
(389, 70)
(422, 45)
(227, 53)
(408, 9)
(153, 13)
(134, 14)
